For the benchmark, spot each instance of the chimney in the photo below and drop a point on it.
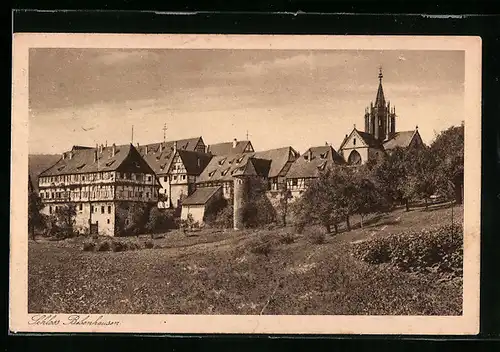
(326, 144)
(95, 155)
(101, 148)
(161, 147)
(70, 155)
(113, 150)
(175, 146)
(106, 145)
(64, 156)
(310, 155)
(137, 145)
(199, 164)
(146, 150)
(235, 142)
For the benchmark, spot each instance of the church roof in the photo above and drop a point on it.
(313, 161)
(82, 161)
(401, 139)
(201, 195)
(226, 148)
(369, 139)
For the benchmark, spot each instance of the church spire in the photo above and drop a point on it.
(380, 100)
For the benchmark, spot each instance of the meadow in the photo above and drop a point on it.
(265, 271)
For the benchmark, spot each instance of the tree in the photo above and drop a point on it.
(390, 176)
(367, 198)
(448, 149)
(420, 164)
(65, 220)
(157, 221)
(35, 218)
(324, 200)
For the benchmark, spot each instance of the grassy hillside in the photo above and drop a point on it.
(237, 272)
(38, 163)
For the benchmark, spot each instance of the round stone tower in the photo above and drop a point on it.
(239, 201)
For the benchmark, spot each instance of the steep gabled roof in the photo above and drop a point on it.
(401, 139)
(194, 162)
(224, 167)
(82, 161)
(227, 148)
(280, 159)
(201, 195)
(160, 155)
(313, 161)
(370, 139)
(367, 138)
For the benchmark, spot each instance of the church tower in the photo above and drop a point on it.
(380, 118)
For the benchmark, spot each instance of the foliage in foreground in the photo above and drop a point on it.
(432, 250)
(258, 275)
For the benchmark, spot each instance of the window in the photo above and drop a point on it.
(147, 194)
(149, 178)
(127, 221)
(175, 177)
(109, 209)
(102, 209)
(108, 221)
(165, 179)
(354, 141)
(294, 182)
(50, 210)
(80, 207)
(183, 177)
(41, 194)
(118, 175)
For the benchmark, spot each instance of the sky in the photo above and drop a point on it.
(298, 98)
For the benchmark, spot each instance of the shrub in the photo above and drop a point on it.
(286, 238)
(223, 219)
(149, 244)
(131, 218)
(104, 246)
(159, 220)
(119, 246)
(260, 246)
(89, 246)
(317, 238)
(439, 249)
(259, 212)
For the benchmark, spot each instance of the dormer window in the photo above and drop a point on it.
(221, 162)
(322, 166)
(223, 173)
(60, 168)
(110, 163)
(240, 160)
(211, 173)
(80, 167)
(354, 141)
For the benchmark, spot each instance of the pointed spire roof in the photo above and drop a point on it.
(380, 100)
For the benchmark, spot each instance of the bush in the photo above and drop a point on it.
(149, 244)
(286, 238)
(119, 246)
(104, 246)
(223, 219)
(260, 246)
(259, 212)
(160, 220)
(439, 249)
(89, 246)
(317, 238)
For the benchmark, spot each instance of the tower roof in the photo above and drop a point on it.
(380, 100)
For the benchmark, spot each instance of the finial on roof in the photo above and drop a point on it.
(380, 75)
(354, 126)
(416, 127)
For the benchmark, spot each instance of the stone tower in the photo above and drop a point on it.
(240, 198)
(380, 118)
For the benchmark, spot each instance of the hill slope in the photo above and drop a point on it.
(38, 163)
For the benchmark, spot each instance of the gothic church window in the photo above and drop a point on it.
(354, 158)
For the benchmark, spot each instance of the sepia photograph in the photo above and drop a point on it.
(245, 184)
